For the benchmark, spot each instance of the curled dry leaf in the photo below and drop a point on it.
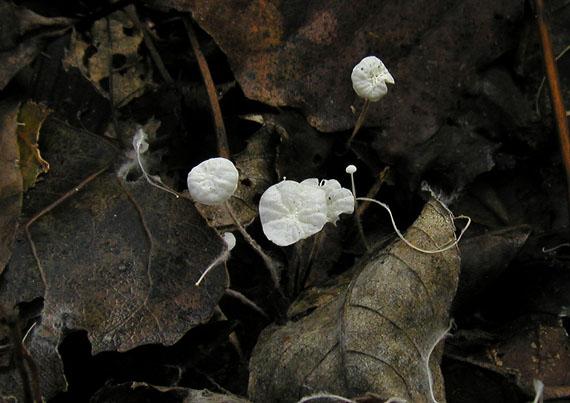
(375, 336)
(11, 188)
(30, 120)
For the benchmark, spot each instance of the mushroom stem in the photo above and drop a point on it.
(269, 263)
(358, 123)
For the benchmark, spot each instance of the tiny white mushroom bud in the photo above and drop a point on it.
(290, 211)
(369, 78)
(139, 141)
(229, 239)
(350, 169)
(213, 181)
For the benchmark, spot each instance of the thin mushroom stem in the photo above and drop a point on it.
(358, 123)
(269, 263)
(442, 249)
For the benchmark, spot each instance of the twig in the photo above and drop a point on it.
(555, 91)
(221, 137)
(374, 190)
(358, 123)
(269, 263)
(132, 13)
(47, 209)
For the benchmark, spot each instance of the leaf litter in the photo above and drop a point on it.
(376, 335)
(451, 64)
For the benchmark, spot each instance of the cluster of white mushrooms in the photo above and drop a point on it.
(289, 211)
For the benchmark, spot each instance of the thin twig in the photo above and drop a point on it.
(358, 123)
(132, 13)
(221, 137)
(53, 205)
(269, 263)
(555, 91)
(374, 190)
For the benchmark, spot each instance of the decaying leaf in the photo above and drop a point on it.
(375, 336)
(140, 391)
(22, 37)
(484, 258)
(302, 56)
(112, 49)
(124, 275)
(11, 187)
(255, 166)
(528, 348)
(30, 120)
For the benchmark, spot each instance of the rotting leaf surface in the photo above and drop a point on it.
(375, 335)
(106, 274)
(11, 187)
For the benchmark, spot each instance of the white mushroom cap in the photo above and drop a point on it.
(369, 78)
(290, 211)
(213, 181)
(229, 239)
(339, 200)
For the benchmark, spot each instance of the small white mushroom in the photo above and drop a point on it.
(229, 239)
(213, 181)
(290, 211)
(339, 200)
(369, 78)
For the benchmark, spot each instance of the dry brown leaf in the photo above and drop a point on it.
(375, 336)
(11, 187)
(30, 120)
(22, 37)
(140, 391)
(112, 49)
(106, 274)
(123, 273)
(301, 55)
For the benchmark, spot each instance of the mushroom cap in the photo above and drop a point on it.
(213, 181)
(369, 78)
(339, 200)
(290, 211)
(229, 239)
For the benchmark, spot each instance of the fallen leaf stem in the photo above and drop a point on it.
(358, 123)
(269, 263)
(555, 91)
(221, 137)
(132, 13)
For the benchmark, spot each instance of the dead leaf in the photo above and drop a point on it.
(30, 120)
(22, 37)
(484, 258)
(112, 48)
(140, 391)
(11, 187)
(123, 273)
(256, 173)
(375, 335)
(531, 347)
(301, 56)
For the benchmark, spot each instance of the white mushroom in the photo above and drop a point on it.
(369, 78)
(213, 181)
(291, 211)
(339, 200)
